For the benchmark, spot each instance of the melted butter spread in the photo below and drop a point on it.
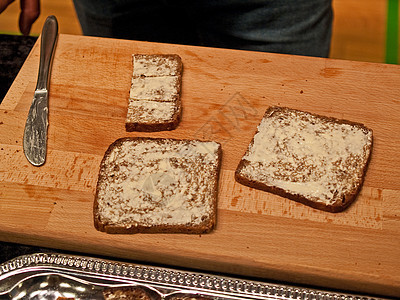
(155, 65)
(147, 111)
(304, 154)
(161, 88)
(155, 89)
(151, 183)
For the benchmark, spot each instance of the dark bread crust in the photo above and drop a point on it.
(273, 109)
(204, 227)
(347, 200)
(176, 118)
(334, 208)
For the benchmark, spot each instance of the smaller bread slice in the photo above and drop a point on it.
(156, 80)
(161, 88)
(313, 159)
(144, 115)
(126, 293)
(158, 185)
(150, 65)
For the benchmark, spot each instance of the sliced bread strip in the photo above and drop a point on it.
(316, 160)
(154, 65)
(142, 113)
(158, 185)
(154, 98)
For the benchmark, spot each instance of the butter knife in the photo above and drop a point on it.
(35, 134)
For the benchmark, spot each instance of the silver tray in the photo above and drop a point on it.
(49, 276)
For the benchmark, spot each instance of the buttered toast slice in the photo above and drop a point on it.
(154, 99)
(312, 159)
(158, 185)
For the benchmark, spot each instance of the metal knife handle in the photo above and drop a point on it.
(35, 133)
(47, 45)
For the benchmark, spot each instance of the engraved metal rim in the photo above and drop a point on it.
(134, 274)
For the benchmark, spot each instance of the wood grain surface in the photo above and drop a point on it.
(225, 94)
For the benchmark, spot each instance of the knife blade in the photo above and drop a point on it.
(35, 133)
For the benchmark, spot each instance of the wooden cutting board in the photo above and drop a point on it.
(225, 94)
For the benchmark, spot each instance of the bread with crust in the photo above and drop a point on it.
(158, 185)
(316, 160)
(155, 96)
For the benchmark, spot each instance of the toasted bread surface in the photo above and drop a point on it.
(158, 185)
(316, 160)
(154, 100)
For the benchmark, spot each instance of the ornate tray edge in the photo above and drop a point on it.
(171, 277)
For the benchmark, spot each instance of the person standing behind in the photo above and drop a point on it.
(300, 27)
(30, 11)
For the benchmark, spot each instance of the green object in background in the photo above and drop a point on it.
(392, 32)
(10, 33)
(18, 33)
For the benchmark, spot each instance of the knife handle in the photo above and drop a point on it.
(47, 45)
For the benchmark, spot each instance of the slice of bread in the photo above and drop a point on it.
(157, 89)
(154, 99)
(316, 160)
(157, 185)
(127, 293)
(159, 114)
(154, 65)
